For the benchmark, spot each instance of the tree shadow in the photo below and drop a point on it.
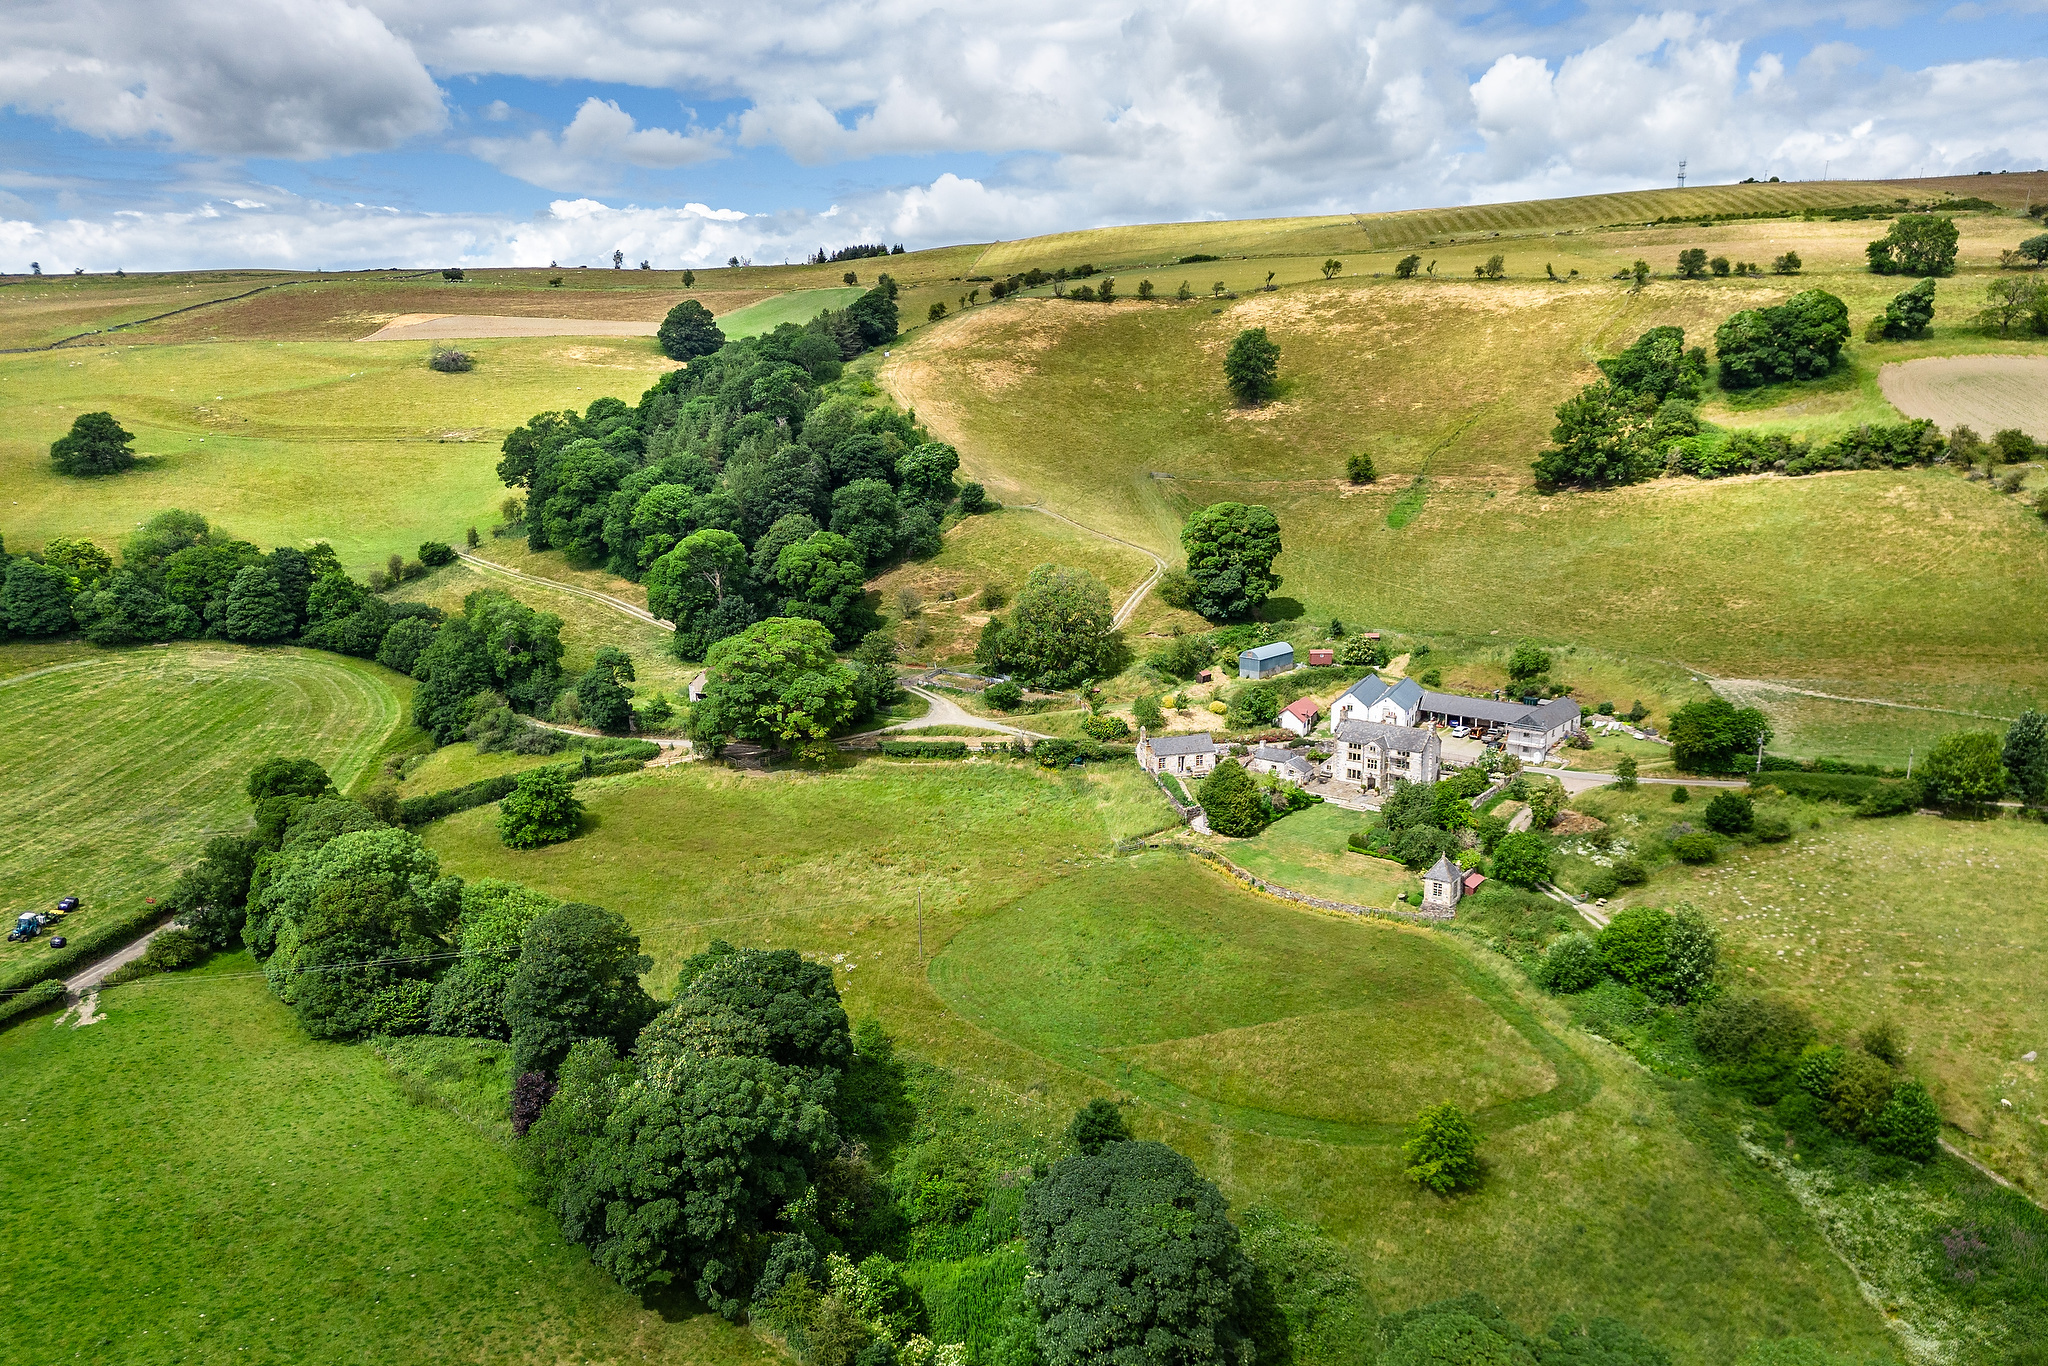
(1281, 609)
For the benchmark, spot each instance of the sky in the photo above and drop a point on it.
(184, 134)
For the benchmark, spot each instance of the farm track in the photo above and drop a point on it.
(1130, 607)
(574, 590)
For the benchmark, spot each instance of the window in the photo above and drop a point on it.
(1354, 775)
(1372, 764)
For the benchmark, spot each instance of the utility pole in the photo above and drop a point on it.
(1759, 753)
(1909, 763)
(1681, 174)
(920, 929)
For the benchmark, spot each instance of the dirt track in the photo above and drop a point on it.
(1987, 393)
(465, 326)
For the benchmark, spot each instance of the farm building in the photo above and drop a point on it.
(1189, 755)
(1376, 756)
(1530, 732)
(1263, 661)
(1300, 717)
(1374, 699)
(1319, 659)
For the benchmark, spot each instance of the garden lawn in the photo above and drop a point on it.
(195, 1180)
(1618, 1205)
(1305, 852)
(119, 764)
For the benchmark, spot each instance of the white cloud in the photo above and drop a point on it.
(601, 137)
(281, 78)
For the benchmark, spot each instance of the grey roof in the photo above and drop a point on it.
(1263, 652)
(1477, 708)
(1371, 689)
(1446, 871)
(1170, 745)
(1556, 712)
(1409, 739)
(1272, 754)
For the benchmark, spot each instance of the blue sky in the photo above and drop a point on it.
(176, 133)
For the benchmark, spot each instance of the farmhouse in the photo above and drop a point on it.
(1376, 756)
(1273, 759)
(1263, 661)
(1531, 732)
(1300, 717)
(1374, 699)
(1193, 755)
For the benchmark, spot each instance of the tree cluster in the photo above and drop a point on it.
(1230, 550)
(1715, 736)
(1910, 314)
(1801, 338)
(1059, 631)
(740, 487)
(1613, 431)
(1917, 244)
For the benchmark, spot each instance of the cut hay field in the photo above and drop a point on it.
(360, 446)
(1932, 923)
(119, 764)
(1622, 1203)
(1910, 585)
(195, 1180)
(1989, 393)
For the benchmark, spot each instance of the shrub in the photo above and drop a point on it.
(1570, 964)
(1881, 1041)
(1636, 949)
(1145, 711)
(1625, 772)
(1801, 338)
(1522, 859)
(1096, 1125)
(924, 749)
(450, 361)
(1442, 1153)
(541, 809)
(30, 999)
(1695, 846)
(1679, 794)
(1860, 1089)
(1602, 884)
(1967, 767)
(1004, 696)
(1234, 804)
(1106, 728)
(1359, 468)
(434, 805)
(1908, 1126)
(1730, 813)
(1754, 1043)
(1629, 872)
(434, 554)
(1256, 705)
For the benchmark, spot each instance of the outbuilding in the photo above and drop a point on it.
(1263, 661)
(1442, 885)
(1300, 717)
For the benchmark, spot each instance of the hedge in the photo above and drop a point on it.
(30, 999)
(96, 942)
(625, 756)
(1826, 787)
(924, 749)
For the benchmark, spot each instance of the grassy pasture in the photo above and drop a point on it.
(1905, 585)
(797, 306)
(39, 311)
(361, 446)
(1618, 1205)
(120, 764)
(208, 1184)
(1931, 923)
(1305, 851)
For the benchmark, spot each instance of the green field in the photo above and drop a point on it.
(120, 764)
(195, 1180)
(797, 306)
(1909, 585)
(1166, 983)
(1618, 1203)
(1305, 852)
(1931, 923)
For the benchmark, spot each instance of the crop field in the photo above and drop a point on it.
(119, 765)
(208, 1184)
(1989, 393)
(1616, 1203)
(1929, 922)
(1905, 585)
(797, 306)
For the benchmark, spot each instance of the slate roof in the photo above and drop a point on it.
(1367, 691)
(1170, 745)
(1446, 871)
(1412, 739)
(1544, 716)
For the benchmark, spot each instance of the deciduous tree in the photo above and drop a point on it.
(1060, 632)
(95, 445)
(578, 978)
(1966, 767)
(688, 332)
(1252, 367)
(777, 682)
(1230, 551)
(1442, 1151)
(541, 810)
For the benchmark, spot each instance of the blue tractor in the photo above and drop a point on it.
(26, 926)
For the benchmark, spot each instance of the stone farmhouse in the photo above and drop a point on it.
(1529, 732)
(1190, 756)
(1375, 756)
